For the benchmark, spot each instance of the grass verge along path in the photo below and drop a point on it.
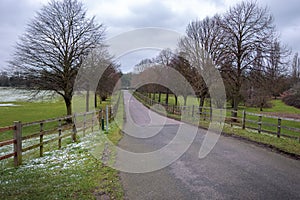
(70, 173)
(283, 145)
(73, 172)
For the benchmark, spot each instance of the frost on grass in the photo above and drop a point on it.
(7, 149)
(62, 173)
(70, 156)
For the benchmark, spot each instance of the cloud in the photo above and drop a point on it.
(14, 15)
(121, 15)
(174, 14)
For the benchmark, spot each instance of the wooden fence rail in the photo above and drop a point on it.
(262, 123)
(58, 128)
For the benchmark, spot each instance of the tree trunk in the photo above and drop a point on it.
(167, 98)
(159, 97)
(185, 100)
(68, 102)
(176, 100)
(103, 98)
(95, 100)
(87, 100)
(235, 107)
(201, 104)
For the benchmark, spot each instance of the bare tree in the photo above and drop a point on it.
(204, 35)
(246, 28)
(296, 67)
(54, 45)
(183, 66)
(200, 45)
(108, 81)
(96, 68)
(276, 68)
(164, 57)
(143, 65)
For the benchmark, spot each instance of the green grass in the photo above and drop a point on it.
(70, 173)
(35, 111)
(74, 172)
(31, 111)
(171, 100)
(278, 108)
(277, 105)
(284, 144)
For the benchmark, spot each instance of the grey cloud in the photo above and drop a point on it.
(286, 13)
(130, 59)
(14, 15)
(151, 14)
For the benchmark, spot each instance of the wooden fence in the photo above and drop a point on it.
(262, 123)
(57, 128)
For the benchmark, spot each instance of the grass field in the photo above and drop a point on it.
(279, 109)
(72, 172)
(278, 105)
(37, 110)
(31, 111)
(284, 144)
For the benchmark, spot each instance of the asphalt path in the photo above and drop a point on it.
(234, 169)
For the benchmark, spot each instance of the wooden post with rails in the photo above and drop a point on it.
(17, 143)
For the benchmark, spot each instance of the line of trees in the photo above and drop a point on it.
(243, 45)
(16, 79)
(54, 46)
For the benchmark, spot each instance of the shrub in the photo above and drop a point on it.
(292, 100)
(292, 97)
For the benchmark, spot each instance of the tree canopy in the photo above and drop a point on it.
(54, 45)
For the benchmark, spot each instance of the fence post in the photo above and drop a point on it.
(41, 139)
(221, 113)
(210, 113)
(279, 128)
(106, 111)
(84, 123)
(193, 110)
(59, 134)
(18, 143)
(259, 123)
(244, 120)
(93, 115)
(109, 113)
(112, 111)
(231, 115)
(74, 128)
(99, 119)
(102, 119)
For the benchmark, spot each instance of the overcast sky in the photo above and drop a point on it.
(125, 15)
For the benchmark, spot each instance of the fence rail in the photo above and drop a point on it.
(57, 128)
(262, 123)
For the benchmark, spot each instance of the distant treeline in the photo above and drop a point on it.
(16, 79)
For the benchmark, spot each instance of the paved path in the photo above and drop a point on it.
(233, 170)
